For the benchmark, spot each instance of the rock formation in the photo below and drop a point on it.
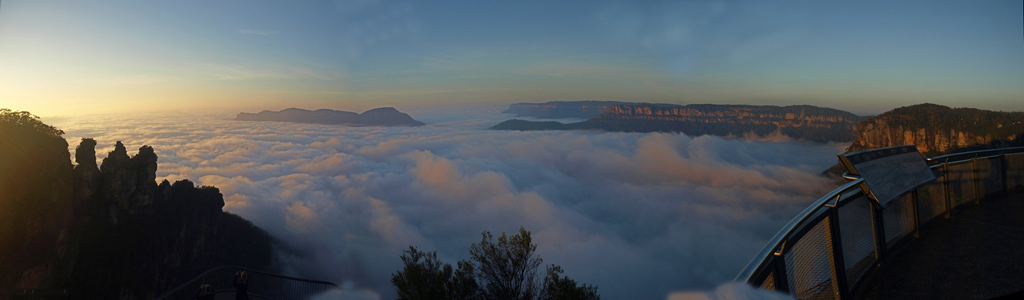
(383, 116)
(118, 181)
(145, 238)
(87, 177)
(107, 232)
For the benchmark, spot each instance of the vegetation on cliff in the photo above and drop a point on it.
(109, 231)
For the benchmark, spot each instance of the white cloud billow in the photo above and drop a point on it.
(639, 215)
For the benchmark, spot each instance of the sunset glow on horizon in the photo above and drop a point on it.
(72, 57)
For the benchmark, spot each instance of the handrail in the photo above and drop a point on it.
(975, 152)
(784, 234)
(769, 267)
(189, 283)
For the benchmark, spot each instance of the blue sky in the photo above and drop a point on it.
(74, 57)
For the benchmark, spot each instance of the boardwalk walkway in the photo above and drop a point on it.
(978, 254)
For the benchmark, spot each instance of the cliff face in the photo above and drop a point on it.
(740, 115)
(107, 232)
(937, 129)
(383, 116)
(801, 122)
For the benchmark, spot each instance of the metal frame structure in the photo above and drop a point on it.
(809, 257)
(262, 285)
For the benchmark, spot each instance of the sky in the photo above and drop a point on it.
(68, 58)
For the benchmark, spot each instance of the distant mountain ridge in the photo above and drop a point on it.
(585, 109)
(937, 129)
(383, 116)
(802, 122)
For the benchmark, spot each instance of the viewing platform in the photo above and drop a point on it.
(979, 254)
(905, 227)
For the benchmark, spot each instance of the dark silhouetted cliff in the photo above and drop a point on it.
(36, 212)
(937, 129)
(383, 116)
(108, 231)
(802, 122)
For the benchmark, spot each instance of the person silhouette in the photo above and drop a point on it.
(241, 286)
(205, 292)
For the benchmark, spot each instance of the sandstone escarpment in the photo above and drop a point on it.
(801, 122)
(937, 129)
(781, 117)
(880, 134)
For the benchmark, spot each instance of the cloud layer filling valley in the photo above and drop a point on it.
(639, 215)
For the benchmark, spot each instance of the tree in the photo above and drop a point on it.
(508, 268)
(505, 269)
(25, 121)
(426, 277)
(561, 287)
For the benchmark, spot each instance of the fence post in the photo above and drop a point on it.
(946, 189)
(977, 181)
(914, 208)
(878, 223)
(838, 262)
(781, 278)
(1003, 172)
(280, 288)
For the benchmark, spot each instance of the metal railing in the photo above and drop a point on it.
(262, 285)
(826, 251)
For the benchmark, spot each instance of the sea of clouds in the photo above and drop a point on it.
(640, 215)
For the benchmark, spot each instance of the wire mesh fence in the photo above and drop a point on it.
(858, 237)
(961, 182)
(1014, 170)
(990, 175)
(809, 265)
(931, 200)
(898, 219)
